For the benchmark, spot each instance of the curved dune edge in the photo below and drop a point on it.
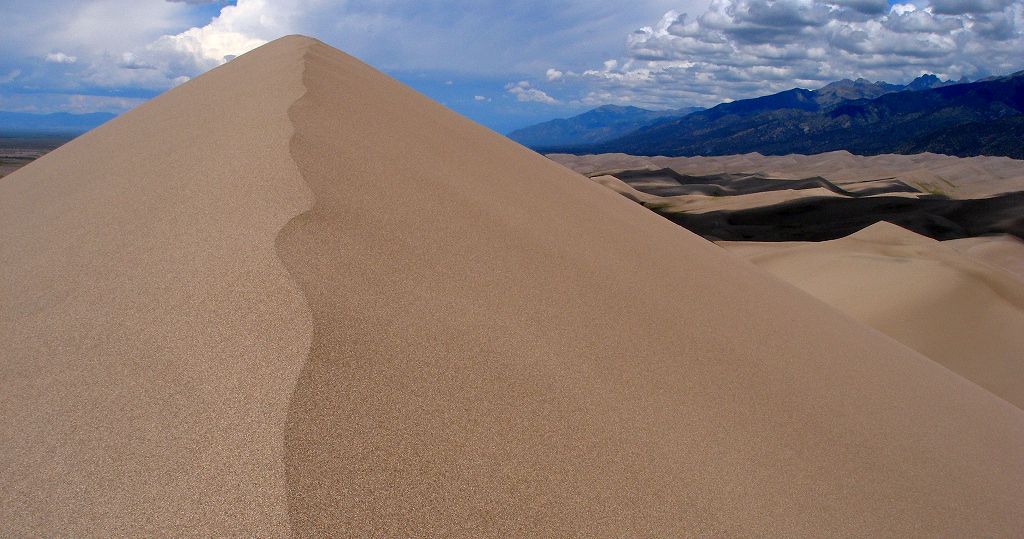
(150, 337)
(468, 377)
(1003, 251)
(481, 343)
(964, 312)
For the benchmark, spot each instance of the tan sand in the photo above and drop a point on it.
(940, 300)
(704, 203)
(150, 337)
(489, 343)
(1003, 251)
(956, 177)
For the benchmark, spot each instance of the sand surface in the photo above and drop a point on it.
(295, 296)
(150, 336)
(958, 302)
(704, 204)
(956, 177)
(759, 206)
(1003, 251)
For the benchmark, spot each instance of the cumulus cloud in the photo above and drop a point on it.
(167, 42)
(60, 58)
(524, 92)
(554, 74)
(236, 30)
(130, 61)
(744, 48)
(92, 103)
(480, 98)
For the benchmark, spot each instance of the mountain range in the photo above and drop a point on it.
(602, 124)
(956, 118)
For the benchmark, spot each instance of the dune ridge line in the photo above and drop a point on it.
(293, 294)
(465, 377)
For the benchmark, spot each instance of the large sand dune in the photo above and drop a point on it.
(292, 295)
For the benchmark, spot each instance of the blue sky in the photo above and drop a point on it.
(508, 63)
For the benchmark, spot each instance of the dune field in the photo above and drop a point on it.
(294, 296)
(818, 197)
(955, 177)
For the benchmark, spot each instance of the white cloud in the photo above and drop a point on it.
(130, 61)
(237, 30)
(10, 76)
(93, 103)
(525, 93)
(141, 47)
(60, 58)
(745, 48)
(480, 98)
(553, 74)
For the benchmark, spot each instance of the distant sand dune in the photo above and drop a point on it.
(758, 206)
(964, 312)
(956, 177)
(294, 296)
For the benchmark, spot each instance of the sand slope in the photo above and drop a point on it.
(956, 309)
(1002, 251)
(150, 337)
(489, 343)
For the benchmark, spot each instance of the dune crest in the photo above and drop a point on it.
(964, 312)
(456, 336)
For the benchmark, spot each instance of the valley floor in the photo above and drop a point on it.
(16, 152)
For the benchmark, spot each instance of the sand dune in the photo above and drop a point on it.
(1003, 251)
(295, 296)
(734, 206)
(698, 203)
(955, 304)
(956, 177)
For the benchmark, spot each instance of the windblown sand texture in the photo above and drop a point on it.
(295, 296)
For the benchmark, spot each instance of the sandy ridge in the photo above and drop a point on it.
(465, 377)
(149, 334)
(482, 343)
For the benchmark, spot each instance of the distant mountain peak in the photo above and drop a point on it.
(928, 114)
(594, 126)
(618, 108)
(926, 82)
